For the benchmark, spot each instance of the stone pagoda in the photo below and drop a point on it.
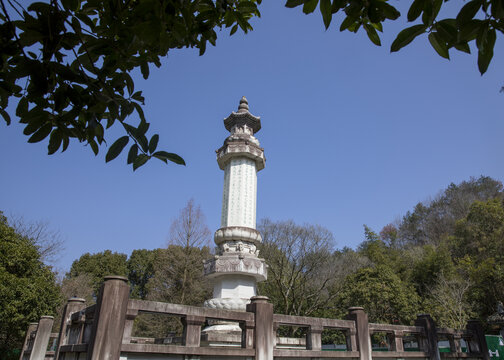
(236, 267)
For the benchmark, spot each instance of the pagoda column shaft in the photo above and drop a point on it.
(240, 193)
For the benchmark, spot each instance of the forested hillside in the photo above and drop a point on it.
(444, 257)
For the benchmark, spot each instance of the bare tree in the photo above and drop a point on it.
(48, 241)
(189, 229)
(451, 307)
(190, 233)
(79, 286)
(304, 272)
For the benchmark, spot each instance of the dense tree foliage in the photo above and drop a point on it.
(477, 21)
(68, 63)
(443, 258)
(382, 293)
(173, 274)
(99, 265)
(432, 221)
(28, 288)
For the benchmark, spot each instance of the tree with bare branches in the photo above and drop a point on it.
(304, 271)
(49, 241)
(449, 301)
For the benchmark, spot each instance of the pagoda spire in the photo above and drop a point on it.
(236, 267)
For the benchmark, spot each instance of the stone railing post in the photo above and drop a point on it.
(192, 330)
(41, 340)
(425, 321)
(31, 328)
(264, 339)
(314, 338)
(247, 340)
(474, 326)
(358, 315)
(128, 325)
(396, 341)
(109, 318)
(456, 343)
(73, 305)
(351, 340)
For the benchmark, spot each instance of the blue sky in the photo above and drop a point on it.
(352, 134)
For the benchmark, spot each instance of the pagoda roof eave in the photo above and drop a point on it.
(243, 118)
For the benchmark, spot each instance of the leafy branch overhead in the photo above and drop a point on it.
(68, 63)
(477, 21)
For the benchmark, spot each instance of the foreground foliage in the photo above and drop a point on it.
(68, 63)
(477, 21)
(28, 288)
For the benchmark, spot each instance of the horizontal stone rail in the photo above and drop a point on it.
(315, 327)
(395, 335)
(305, 321)
(472, 336)
(192, 318)
(373, 327)
(134, 306)
(103, 331)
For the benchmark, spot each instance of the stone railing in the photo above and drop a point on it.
(40, 343)
(104, 331)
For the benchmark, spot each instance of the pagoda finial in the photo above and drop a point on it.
(243, 107)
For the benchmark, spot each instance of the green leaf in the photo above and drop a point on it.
(144, 68)
(294, 3)
(140, 112)
(354, 8)
(233, 29)
(406, 36)
(116, 148)
(484, 60)
(163, 155)
(6, 116)
(435, 9)
(140, 160)
(153, 143)
(94, 146)
(142, 141)
(132, 154)
(143, 127)
(54, 142)
(66, 142)
(374, 14)
(378, 26)
(72, 5)
(129, 83)
(41, 133)
(310, 6)
(22, 107)
(447, 29)
(469, 30)
(326, 11)
(464, 47)
(138, 97)
(485, 52)
(349, 20)
(389, 11)
(415, 10)
(468, 11)
(486, 38)
(439, 45)
(372, 34)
